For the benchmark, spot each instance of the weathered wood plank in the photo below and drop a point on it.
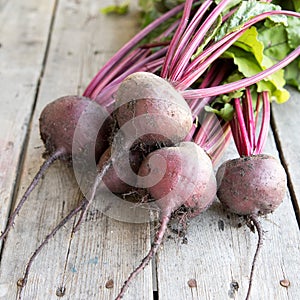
(286, 118)
(24, 28)
(104, 248)
(219, 253)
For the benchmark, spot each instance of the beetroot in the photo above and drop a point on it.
(149, 111)
(126, 164)
(182, 183)
(252, 185)
(178, 178)
(156, 112)
(59, 121)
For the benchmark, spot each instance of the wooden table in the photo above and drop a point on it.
(53, 48)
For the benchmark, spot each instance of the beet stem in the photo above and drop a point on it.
(236, 134)
(245, 143)
(249, 116)
(263, 134)
(242, 83)
(117, 58)
(197, 39)
(257, 225)
(90, 198)
(175, 40)
(217, 153)
(187, 35)
(155, 246)
(44, 167)
(22, 282)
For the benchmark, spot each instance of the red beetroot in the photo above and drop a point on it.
(176, 177)
(186, 180)
(252, 184)
(61, 118)
(156, 112)
(126, 164)
(58, 122)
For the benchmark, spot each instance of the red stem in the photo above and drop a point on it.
(249, 115)
(196, 40)
(213, 136)
(216, 153)
(265, 124)
(242, 83)
(229, 38)
(214, 140)
(243, 125)
(133, 66)
(245, 144)
(187, 37)
(213, 77)
(175, 40)
(189, 78)
(206, 129)
(193, 66)
(236, 134)
(115, 59)
(134, 56)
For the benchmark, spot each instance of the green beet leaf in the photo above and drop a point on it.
(246, 11)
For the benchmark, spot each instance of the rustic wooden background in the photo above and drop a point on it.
(52, 48)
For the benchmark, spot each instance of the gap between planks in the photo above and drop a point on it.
(283, 160)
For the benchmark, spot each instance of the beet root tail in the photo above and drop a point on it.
(44, 167)
(154, 248)
(22, 281)
(90, 198)
(257, 225)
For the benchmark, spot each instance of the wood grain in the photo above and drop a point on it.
(219, 252)
(103, 249)
(23, 40)
(286, 121)
(215, 259)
